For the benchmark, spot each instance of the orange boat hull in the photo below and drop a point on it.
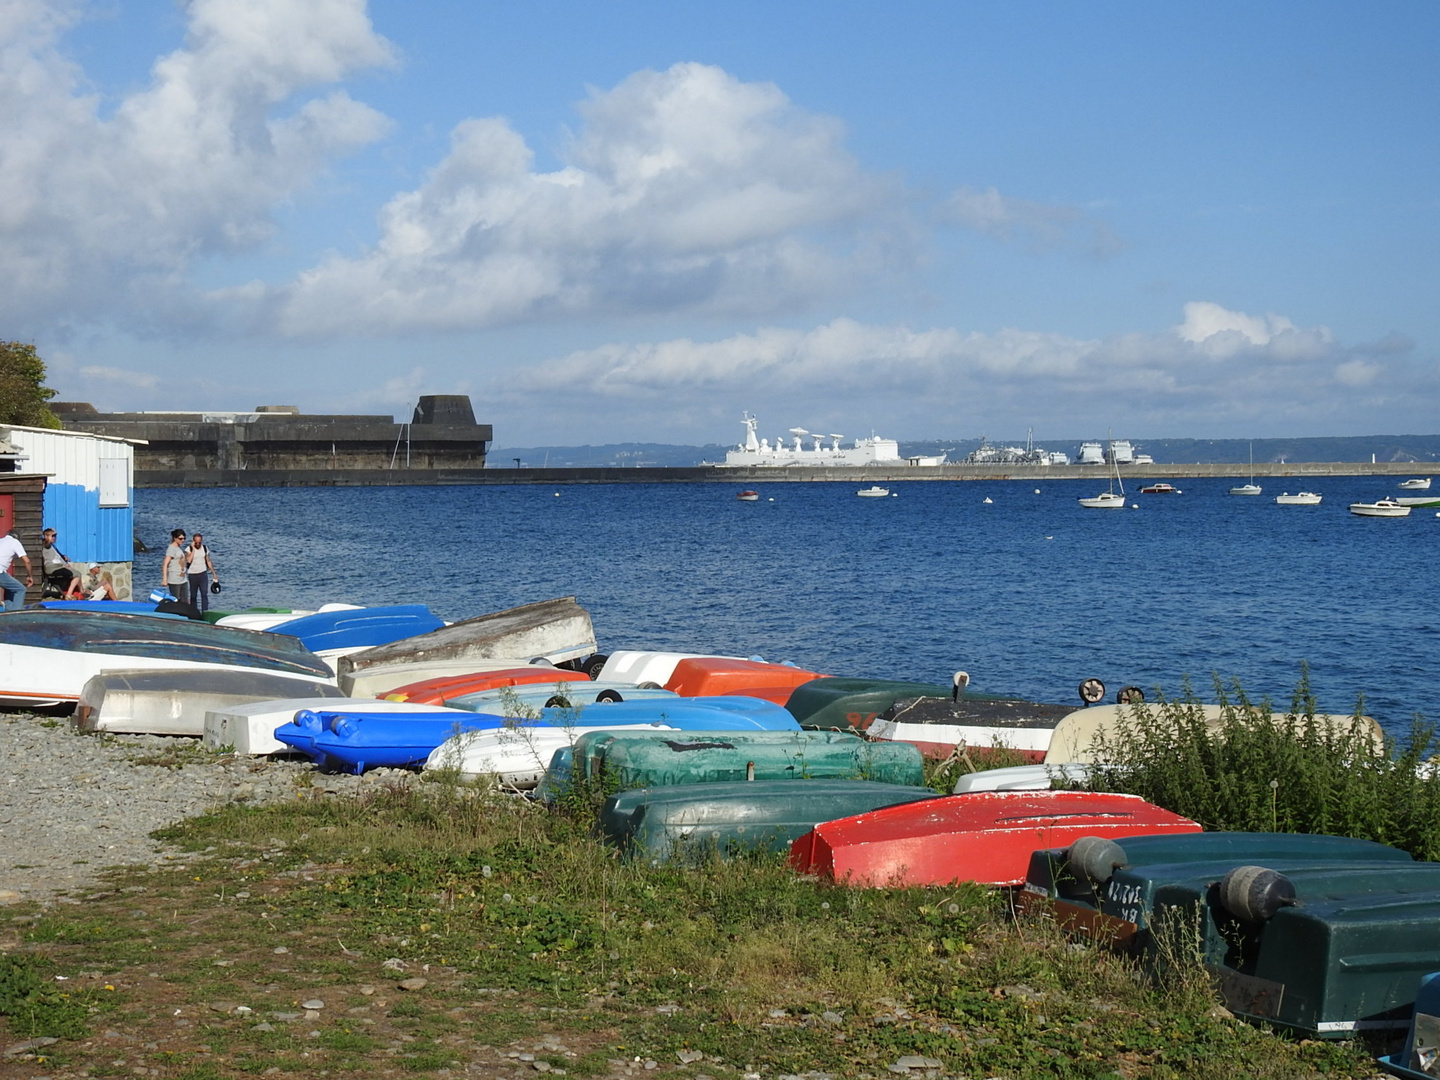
(708, 676)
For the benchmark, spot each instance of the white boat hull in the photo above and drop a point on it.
(249, 728)
(31, 676)
(1104, 502)
(1422, 484)
(939, 740)
(150, 702)
(1023, 778)
(1075, 736)
(1246, 489)
(555, 630)
(1304, 498)
(1380, 509)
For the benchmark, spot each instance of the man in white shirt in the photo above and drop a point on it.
(10, 550)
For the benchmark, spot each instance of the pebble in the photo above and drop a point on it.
(73, 804)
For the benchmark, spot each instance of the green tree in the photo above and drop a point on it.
(22, 391)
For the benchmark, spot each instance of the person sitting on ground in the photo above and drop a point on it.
(92, 585)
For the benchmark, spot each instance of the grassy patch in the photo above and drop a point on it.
(530, 935)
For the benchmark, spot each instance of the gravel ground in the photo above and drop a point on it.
(73, 804)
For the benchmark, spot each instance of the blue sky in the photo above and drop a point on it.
(632, 221)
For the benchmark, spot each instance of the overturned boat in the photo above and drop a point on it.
(637, 759)
(249, 727)
(694, 822)
(1325, 935)
(170, 702)
(46, 657)
(984, 837)
(554, 630)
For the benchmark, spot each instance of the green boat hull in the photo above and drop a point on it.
(1345, 956)
(635, 759)
(695, 822)
(846, 704)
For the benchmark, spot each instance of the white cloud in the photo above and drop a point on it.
(928, 380)
(685, 190)
(1357, 373)
(139, 379)
(103, 213)
(1041, 225)
(396, 395)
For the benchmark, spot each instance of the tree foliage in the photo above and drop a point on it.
(23, 393)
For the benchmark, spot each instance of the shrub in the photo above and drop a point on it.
(1257, 771)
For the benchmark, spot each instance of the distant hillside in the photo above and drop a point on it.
(613, 455)
(1166, 451)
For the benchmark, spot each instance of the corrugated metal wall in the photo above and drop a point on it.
(72, 498)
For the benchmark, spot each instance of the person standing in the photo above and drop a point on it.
(10, 550)
(54, 566)
(172, 570)
(198, 569)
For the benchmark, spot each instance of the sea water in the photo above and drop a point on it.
(1028, 592)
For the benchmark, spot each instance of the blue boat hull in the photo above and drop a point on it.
(359, 628)
(356, 740)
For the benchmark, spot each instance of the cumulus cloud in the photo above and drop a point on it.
(685, 190)
(1043, 226)
(1215, 367)
(103, 209)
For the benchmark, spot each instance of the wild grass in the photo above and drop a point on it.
(1263, 771)
(522, 921)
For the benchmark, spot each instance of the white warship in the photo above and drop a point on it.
(871, 451)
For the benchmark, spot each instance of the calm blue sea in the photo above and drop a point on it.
(1029, 593)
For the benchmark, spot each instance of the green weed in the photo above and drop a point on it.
(1259, 771)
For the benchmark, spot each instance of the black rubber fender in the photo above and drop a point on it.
(1255, 893)
(607, 695)
(1095, 858)
(558, 701)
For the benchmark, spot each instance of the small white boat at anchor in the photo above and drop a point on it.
(1251, 488)
(1108, 499)
(1303, 498)
(1380, 508)
(1419, 483)
(874, 491)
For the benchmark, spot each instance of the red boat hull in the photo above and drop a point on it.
(440, 690)
(985, 837)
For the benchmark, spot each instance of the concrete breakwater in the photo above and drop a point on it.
(869, 474)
